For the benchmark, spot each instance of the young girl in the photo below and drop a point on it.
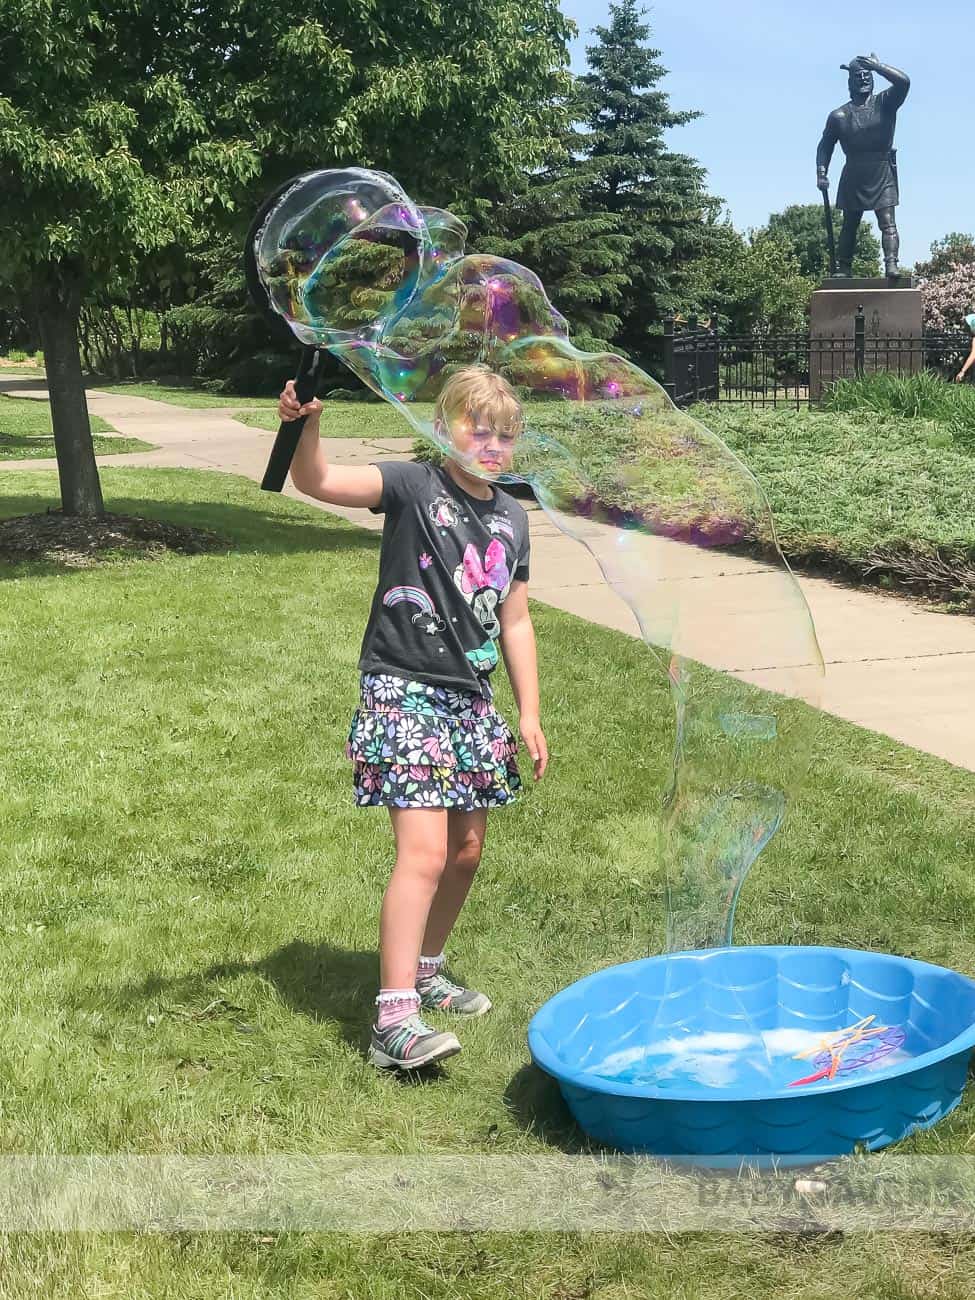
(426, 741)
(970, 359)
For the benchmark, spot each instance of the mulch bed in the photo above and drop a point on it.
(81, 541)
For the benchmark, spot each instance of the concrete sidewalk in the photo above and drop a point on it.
(891, 666)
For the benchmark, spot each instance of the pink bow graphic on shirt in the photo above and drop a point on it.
(493, 573)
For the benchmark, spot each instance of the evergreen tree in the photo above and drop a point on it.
(614, 219)
(581, 255)
(657, 194)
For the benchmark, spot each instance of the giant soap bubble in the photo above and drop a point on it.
(678, 525)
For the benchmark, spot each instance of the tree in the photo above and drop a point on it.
(948, 280)
(753, 282)
(657, 195)
(949, 296)
(130, 129)
(803, 227)
(546, 222)
(951, 251)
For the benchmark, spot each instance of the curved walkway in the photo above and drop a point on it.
(892, 666)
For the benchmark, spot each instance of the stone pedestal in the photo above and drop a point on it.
(890, 336)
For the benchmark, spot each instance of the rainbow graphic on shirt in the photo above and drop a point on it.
(426, 617)
(410, 596)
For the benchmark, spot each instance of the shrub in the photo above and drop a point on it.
(425, 450)
(948, 297)
(870, 495)
(351, 395)
(923, 396)
(259, 373)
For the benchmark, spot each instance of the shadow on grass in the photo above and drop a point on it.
(11, 384)
(319, 982)
(27, 442)
(338, 986)
(533, 1100)
(243, 529)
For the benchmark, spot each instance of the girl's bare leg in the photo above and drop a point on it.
(421, 854)
(465, 843)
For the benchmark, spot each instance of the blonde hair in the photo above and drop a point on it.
(478, 390)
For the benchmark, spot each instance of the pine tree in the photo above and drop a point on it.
(546, 222)
(657, 194)
(613, 221)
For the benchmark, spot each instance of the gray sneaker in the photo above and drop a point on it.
(439, 993)
(409, 1045)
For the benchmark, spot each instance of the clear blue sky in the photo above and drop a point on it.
(765, 73)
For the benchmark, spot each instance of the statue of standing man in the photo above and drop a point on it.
(864, 128)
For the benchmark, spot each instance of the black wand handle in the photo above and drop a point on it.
(289, 431)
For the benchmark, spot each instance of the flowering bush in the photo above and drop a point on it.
(948, 297)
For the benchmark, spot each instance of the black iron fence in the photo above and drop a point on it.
(701, 364)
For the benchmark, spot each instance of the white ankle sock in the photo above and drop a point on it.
(428, 966)
(395, 1005)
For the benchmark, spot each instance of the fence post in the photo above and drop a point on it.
(670, 384)
(695, 335)
(859, 342)
(714, 374)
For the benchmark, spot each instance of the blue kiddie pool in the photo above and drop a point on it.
(784, 1055)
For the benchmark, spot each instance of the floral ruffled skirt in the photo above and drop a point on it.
(413, 745)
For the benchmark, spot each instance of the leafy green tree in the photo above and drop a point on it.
(803, 227)
(754, 282)
(130, 129)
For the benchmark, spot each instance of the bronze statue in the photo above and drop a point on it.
(864, 128)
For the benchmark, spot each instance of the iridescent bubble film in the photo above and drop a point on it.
(678, 525)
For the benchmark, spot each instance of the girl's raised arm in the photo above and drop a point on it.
(337, 485)
(968, 362)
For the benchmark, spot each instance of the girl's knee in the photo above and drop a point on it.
(422, 864)
(466, 855)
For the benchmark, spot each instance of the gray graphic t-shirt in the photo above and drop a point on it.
(446, 564)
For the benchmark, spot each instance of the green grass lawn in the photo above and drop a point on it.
(26, 434)
(349, 420)
(190, 905)
(179, 395)
(876, 496)
(850, 482)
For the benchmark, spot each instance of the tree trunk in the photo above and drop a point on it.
(59, 297)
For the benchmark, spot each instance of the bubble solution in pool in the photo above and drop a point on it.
(771, 1059)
